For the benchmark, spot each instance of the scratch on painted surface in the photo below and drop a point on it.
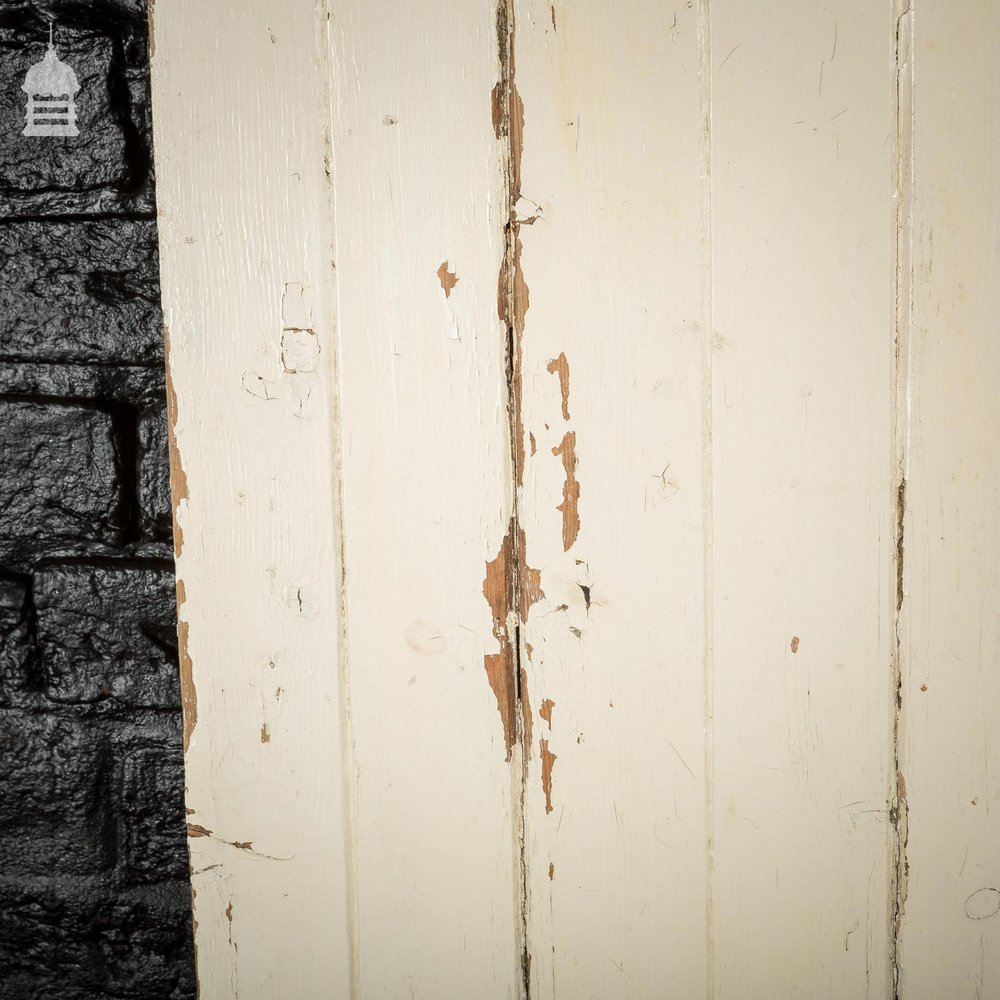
(548, 759)
(196, 830)
(560, 366)
(570, 507)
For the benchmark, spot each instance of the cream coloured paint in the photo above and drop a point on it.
(548, 624)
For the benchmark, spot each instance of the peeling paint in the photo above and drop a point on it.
(546, 711)
(179, 495)
(448, 279)
(265, 733)
(189, 694)
(512, 290)
(510, 595)
(548, 760)
(571, 490)
(794, 644)
(560, 366)
(178, 478)
(196, 831)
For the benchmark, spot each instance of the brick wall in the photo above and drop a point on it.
(93, 862)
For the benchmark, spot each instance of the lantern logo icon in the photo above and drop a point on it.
(51, 86)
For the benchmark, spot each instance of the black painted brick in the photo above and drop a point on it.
(96, 900)
(108, 631)
(153, 483)
(16, 645)
(106, 168)
(87, 940)
(80, 293)
(54, 816)
(153, 837)
(60, 478)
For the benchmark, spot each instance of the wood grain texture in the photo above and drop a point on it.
(612, 499)
(246, 230)
(802, 496)
(950, 694)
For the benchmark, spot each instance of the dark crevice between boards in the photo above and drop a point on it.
(521, 585)
(901, 278)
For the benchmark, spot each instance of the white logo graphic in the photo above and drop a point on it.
(51, 86)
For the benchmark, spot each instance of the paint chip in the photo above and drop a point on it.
(548, 759)
(570, 507)
(448, 279)
(546, 711)
(508, 593)
(794, 646)
(560, 366)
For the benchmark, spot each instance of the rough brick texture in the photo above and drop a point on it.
(96, 902)
(60, 478)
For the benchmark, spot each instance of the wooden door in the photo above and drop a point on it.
(583, 460)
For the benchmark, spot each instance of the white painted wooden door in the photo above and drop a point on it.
(585, 476)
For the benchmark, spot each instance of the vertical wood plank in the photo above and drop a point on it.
(245, 229)
(802, 488)
(420, 207)
(610, 226)
(950, 751)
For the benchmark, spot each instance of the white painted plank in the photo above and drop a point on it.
(613, 409)
(420, 213)
(802, 495)
(950, 750)
(245, 230)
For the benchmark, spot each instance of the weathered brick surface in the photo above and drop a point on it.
(84, 292)
(93, 860)
(54, 812)
(60, 479)
(151, 779)
(107, 167)
(92, 942)
(154, 474)
(16, 641)
(108, 631)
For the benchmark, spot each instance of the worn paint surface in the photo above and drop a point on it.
(245, 220)
(712, 499)
(949, 745)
